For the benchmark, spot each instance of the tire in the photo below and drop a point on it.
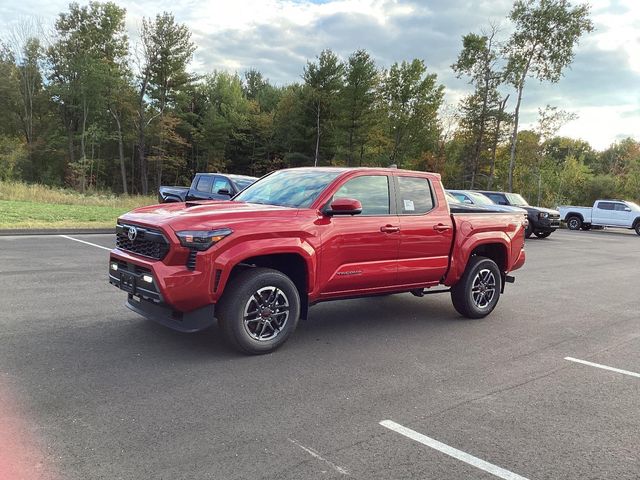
(259, 310)
(574, 223)
(637, 228)
(469, 295)
(542, 234)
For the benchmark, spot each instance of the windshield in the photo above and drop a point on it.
(633, 206)
(288, 188)
(479, 199)
(516, 199)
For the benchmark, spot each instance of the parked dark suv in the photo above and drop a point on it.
(542, 221)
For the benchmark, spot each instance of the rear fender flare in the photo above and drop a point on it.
(462, 252)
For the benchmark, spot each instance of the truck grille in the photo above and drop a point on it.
(146, 241)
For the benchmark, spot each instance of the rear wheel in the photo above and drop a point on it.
(259, 310)
(476, 294)
(542, 234)
(574, 223)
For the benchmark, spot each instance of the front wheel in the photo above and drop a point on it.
(637, 228)
(542, 234)
(259, 310)
(476, 294)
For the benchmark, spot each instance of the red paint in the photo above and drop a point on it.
(344, 255)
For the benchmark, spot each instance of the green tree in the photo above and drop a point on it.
(541, 46)
(357, 103)
(410, 98)
(324, 80)
(86, 58)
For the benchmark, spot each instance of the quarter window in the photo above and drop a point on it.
(414, 195)
(371, 190)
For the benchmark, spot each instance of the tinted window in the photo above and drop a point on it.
(288, 188)
(605, 206)
(221, 183)
(414, 195)
(619, 207)
(371, 190)
(204, 184)
(497, 198)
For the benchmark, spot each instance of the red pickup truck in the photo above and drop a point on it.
(301, 236)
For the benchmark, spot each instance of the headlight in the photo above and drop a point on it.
(201, 240)
(543, 215)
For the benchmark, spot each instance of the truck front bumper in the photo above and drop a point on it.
(145, 298)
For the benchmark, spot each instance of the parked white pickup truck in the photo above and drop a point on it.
(604, 213)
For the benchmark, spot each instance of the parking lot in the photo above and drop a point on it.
(393, 387)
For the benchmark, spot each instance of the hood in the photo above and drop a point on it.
(550, 211)
(507, 208)
(204, 215)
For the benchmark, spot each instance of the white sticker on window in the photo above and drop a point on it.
(408, 206)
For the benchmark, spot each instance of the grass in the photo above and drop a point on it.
(26, 206)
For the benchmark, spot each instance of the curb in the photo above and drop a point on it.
(57, 231)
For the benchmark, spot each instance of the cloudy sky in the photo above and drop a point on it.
(279, 36)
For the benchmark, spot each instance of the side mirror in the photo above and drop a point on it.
(344, 206)
(627, 209)
(467, 201)
(224, 191)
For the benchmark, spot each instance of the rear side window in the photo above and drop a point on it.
(371, 190)
(204, 184)
(606, 206)
(414, 196)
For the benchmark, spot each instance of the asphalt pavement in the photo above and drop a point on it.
(101, 393)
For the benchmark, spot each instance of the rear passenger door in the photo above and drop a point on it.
(426, 232)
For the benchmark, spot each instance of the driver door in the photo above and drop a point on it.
(360, 252)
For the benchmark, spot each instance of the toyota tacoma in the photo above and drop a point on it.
(302, 236)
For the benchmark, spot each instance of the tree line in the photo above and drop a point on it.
(85, 107)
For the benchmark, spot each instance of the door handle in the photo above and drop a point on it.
(389, 229)
(441, 227)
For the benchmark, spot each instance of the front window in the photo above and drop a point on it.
(516, 200)
(288, 188)
(371, 190)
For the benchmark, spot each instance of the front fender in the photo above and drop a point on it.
(227, 260)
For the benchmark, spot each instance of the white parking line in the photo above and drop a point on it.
(316, 455)
(82, 241)
(604, 367)
(452, 452)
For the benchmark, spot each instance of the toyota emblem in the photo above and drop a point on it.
(132, 233)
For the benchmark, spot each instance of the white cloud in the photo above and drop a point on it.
(278, 36)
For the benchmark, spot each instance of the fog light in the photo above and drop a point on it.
(147, 278)
(114, 267)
